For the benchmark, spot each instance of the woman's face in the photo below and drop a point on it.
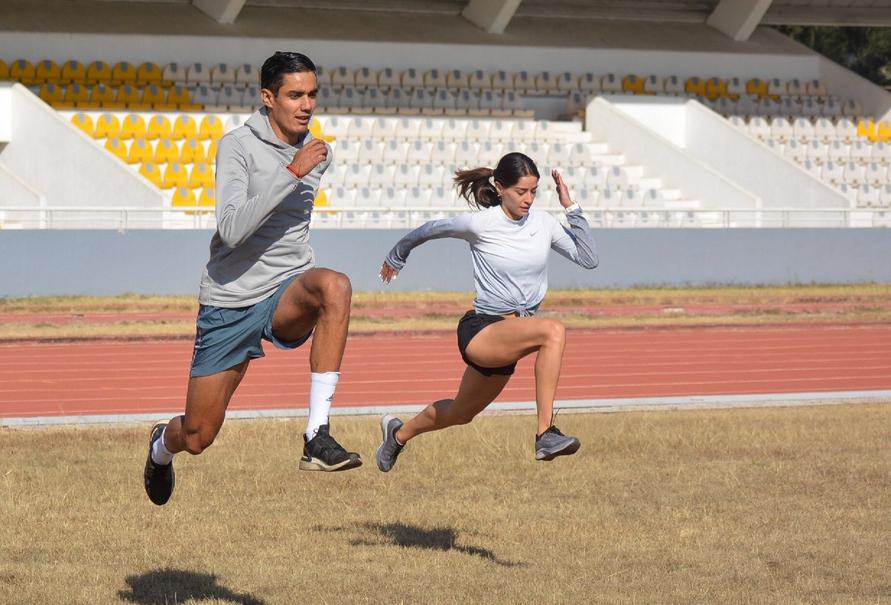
(517, 199)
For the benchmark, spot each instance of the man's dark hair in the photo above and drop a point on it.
(281, 63)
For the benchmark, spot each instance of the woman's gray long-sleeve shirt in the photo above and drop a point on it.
(509, 256)
(263, 214)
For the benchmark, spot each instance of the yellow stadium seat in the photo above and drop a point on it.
(153, 96)
(192, 152)
(123, 73)
(108, 126)
(183, 197)
(212, 152)
(175, 175)
(117, 147)
(151, 171)
(148, 73)
(202, 176)
(158, 128)
(184, 127)
(178, 98)
(4, 70)
(207, 197)
(211, 128)
(715, 88)
(73, 71)
(133, 127)
(695, 86)
(22, 71)
(84, 122)
(48, 71)
(632, 83)
(321, 199)
(166, 151)
(98, 72)
(52, 94)
(315, 127)
(78, 95)
(884, 131)
(756, 86)
(129, 97)
(867, 128)
(139, 152)
(103, 95)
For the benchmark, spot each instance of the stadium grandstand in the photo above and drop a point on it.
(660, 113)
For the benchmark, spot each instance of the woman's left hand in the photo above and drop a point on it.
(562, 189)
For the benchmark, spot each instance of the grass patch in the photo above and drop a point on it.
(766, 505)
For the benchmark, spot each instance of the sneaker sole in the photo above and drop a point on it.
(314, 464)
(570, 448)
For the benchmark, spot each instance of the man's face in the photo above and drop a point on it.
(290, 111)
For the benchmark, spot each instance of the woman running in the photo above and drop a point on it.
(509, 242)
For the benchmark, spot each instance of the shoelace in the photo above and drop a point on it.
(328, 443)
(555, 431)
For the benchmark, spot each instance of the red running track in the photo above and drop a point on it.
(40, 379)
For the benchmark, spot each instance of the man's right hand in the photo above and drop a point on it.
(310, 155)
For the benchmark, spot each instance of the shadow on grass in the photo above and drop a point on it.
(411, 536)
(167, 586)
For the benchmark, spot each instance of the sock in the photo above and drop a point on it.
(160, 454)
(321, 394)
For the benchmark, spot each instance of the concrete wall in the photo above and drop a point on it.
(42, 151)
(613, 119)
(50, 262)
(401, 55)
(743, 161)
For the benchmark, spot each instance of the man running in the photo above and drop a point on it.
(260, 282)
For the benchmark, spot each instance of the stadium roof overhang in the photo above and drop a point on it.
(736, 18)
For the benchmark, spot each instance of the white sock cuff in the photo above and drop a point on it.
(160, 454)
(329, 378)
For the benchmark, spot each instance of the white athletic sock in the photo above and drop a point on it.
(321, 394)
(160, 454)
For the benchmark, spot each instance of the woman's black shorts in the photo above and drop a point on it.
(468, 327)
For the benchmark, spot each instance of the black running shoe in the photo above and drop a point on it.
(323, 453)
(553, 443)
(389, 449)
(159, 478)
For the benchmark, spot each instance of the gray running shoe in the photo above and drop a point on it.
(553, 443)
(389, 449)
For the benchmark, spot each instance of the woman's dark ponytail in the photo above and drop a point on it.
(477, 187)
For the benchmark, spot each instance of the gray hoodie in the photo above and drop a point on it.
(263, 214)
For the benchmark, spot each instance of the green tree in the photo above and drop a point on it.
(863, 50)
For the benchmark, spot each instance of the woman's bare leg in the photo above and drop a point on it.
(474, 394)
(505, 342)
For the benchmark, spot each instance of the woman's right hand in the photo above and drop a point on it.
(388, 273)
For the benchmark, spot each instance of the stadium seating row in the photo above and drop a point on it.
(176, 175)
(821, 129)
(139, 151)
(423, 197)
(101, 96)
(524, 82)
(858, 153)
(127, 126)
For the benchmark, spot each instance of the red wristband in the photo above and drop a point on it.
(292, 171)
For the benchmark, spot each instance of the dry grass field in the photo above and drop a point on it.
(767, 505)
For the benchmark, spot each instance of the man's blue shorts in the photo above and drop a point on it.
(226, 337)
